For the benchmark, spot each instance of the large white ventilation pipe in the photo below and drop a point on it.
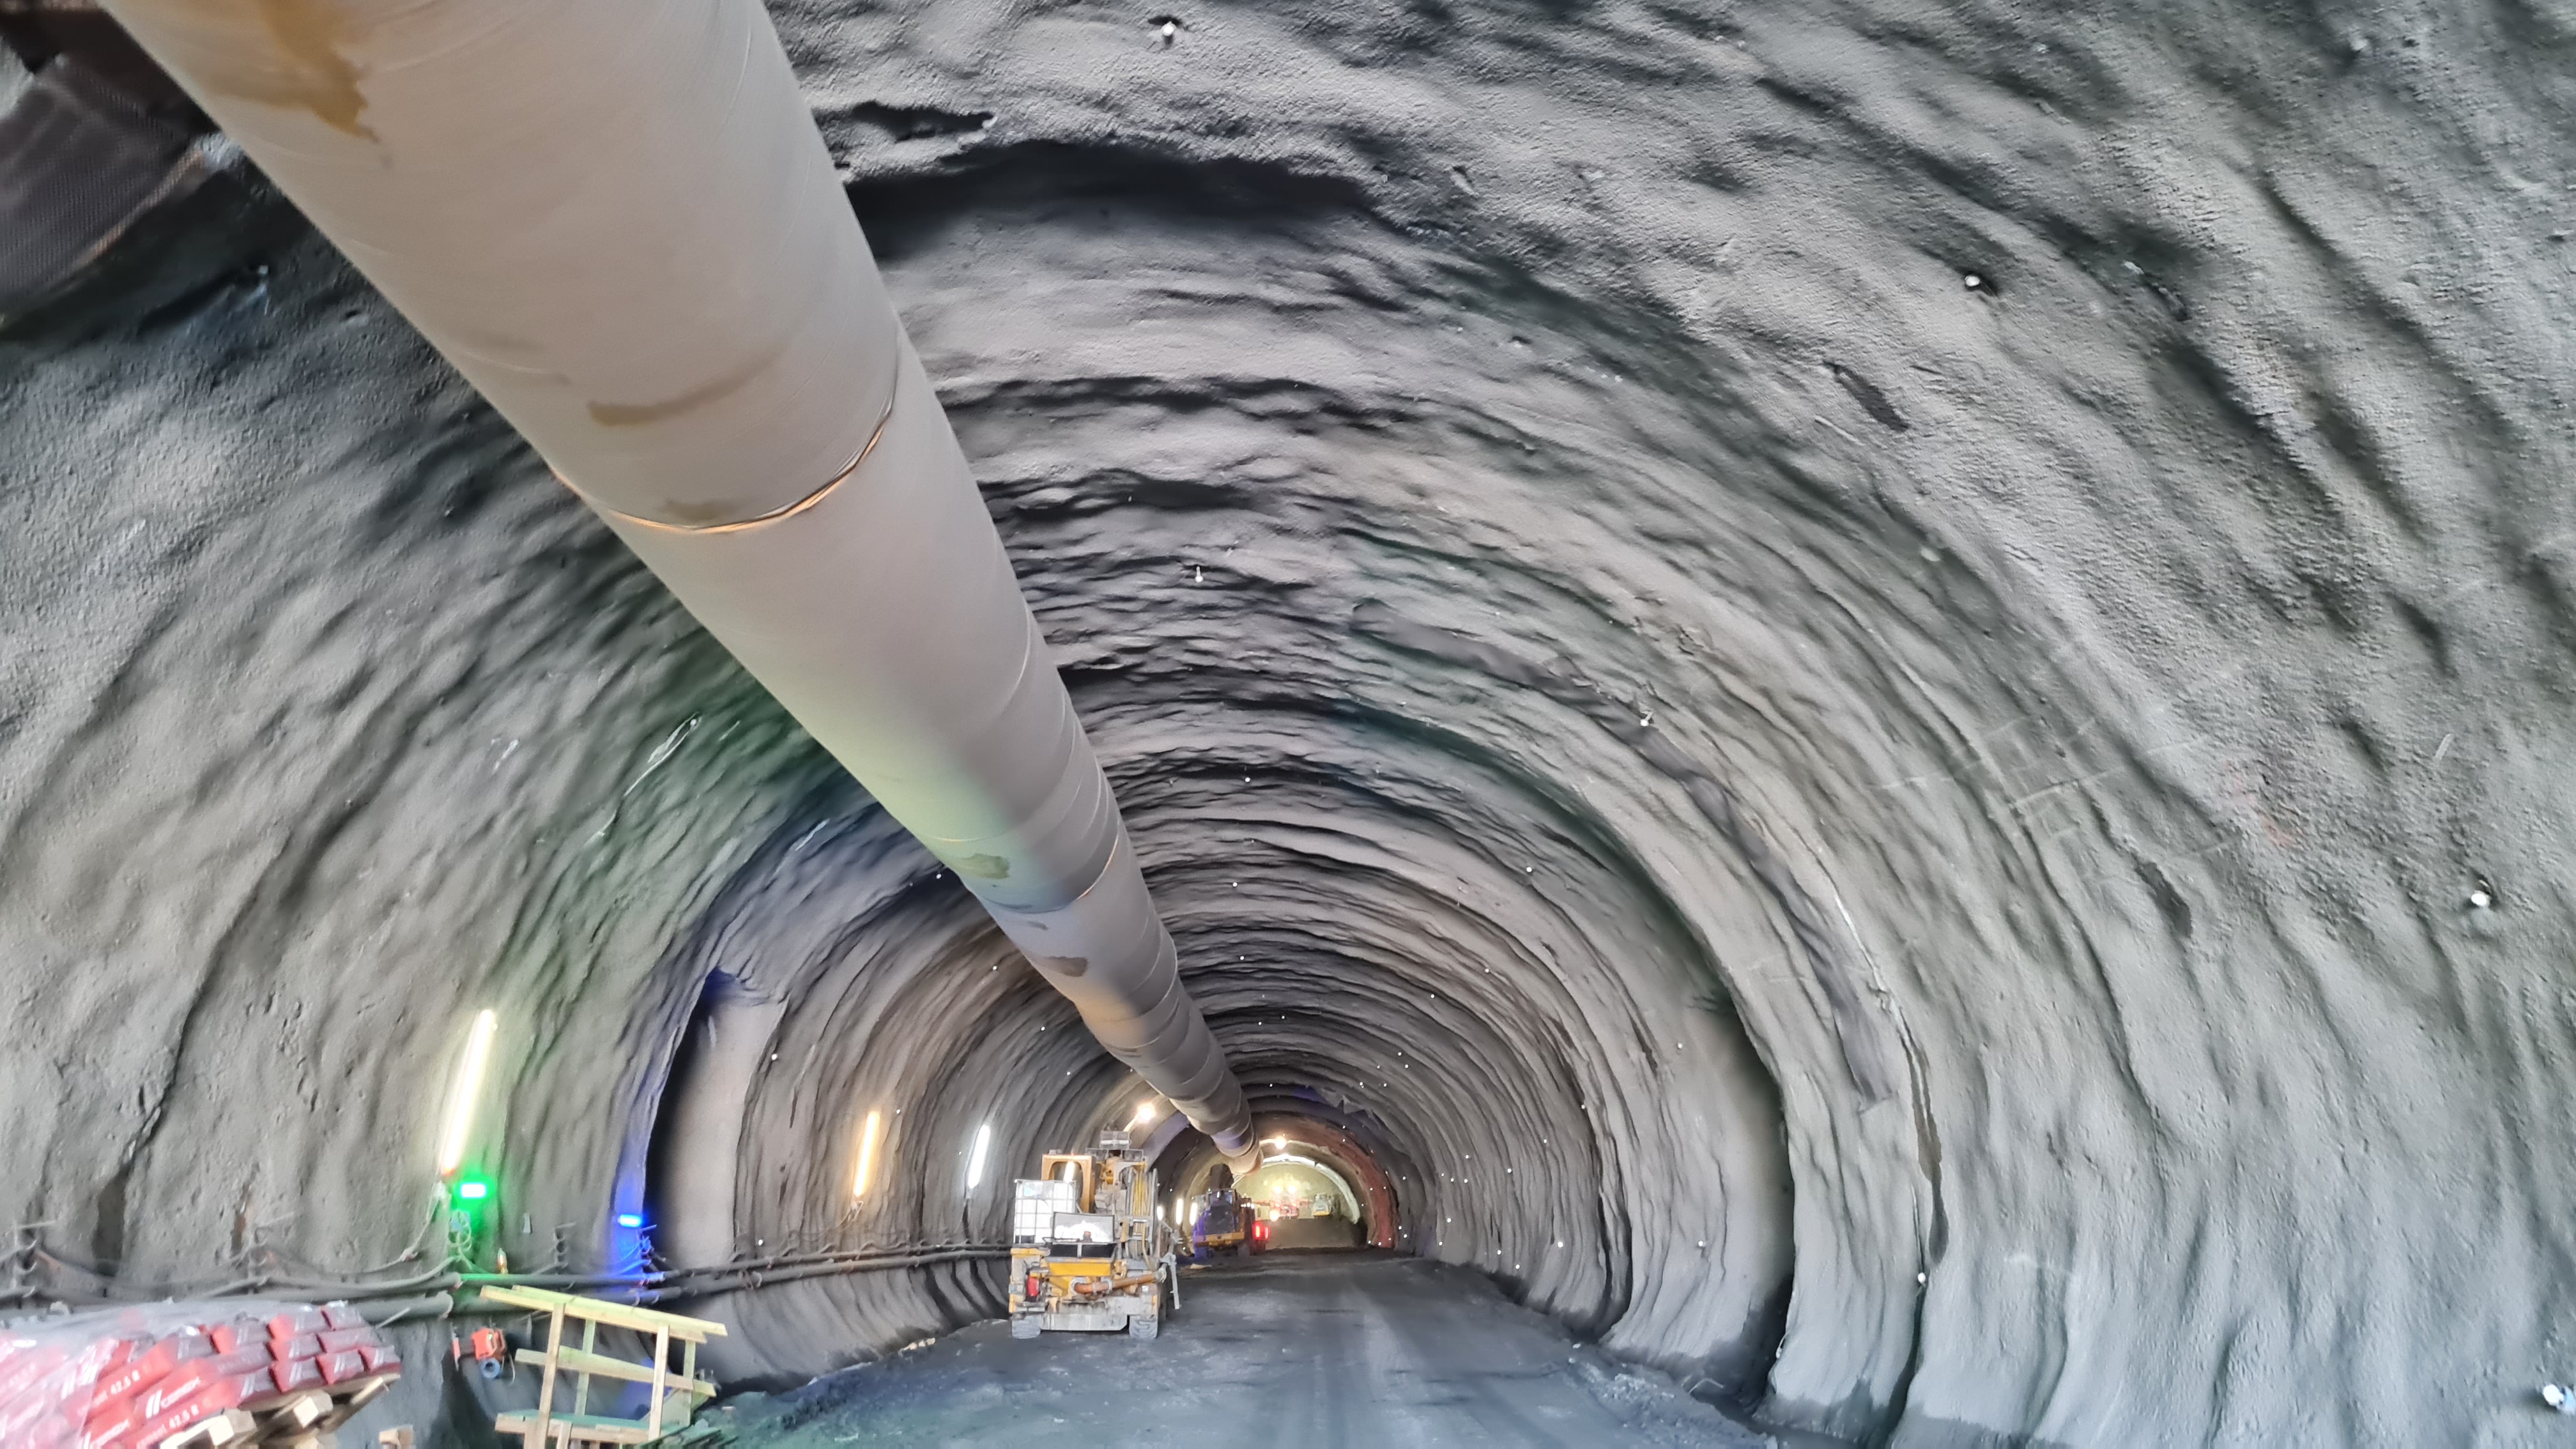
(616, 218)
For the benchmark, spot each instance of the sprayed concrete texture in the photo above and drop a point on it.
(1881, 695)
(1300, 1350)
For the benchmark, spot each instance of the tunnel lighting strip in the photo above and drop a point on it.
(469, 1084)
(975, 1158)
(867, 1154)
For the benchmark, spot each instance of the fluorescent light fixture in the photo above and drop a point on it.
(975, 1158)
(469, 1085)
(630, 1220)
(867, 1154)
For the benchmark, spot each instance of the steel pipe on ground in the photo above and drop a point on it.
(616, 218)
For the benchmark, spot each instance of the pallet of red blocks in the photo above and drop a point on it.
(189, 1376)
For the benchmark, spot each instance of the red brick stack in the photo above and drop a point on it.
(137, 1378)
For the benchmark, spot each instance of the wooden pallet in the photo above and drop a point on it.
(304, 1420)
(674, 1398)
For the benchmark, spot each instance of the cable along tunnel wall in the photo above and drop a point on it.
(1459, 463)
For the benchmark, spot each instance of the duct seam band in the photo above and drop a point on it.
(875, 435)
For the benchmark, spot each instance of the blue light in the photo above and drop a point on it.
(630, 1220)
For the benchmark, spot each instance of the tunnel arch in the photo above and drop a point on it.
(1187, 1159)
(1951, 807)
(835, 931)
(1281, 1155)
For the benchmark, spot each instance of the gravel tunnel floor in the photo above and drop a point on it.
(1312, 1350)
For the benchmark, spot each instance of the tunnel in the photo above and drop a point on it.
(1315, 1173)
(1875, 704)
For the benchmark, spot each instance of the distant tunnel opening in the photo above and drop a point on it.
(1305, 1203)
(1318, 1185)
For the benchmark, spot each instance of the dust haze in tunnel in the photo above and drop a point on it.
(1902, 673)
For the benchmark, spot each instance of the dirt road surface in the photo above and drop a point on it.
(1309, 1350)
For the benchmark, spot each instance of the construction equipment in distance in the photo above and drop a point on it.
(1088, 1252)
(1225, 1223)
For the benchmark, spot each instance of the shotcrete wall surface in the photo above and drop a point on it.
(1880, 693)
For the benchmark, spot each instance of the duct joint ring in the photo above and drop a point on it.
(875, 434)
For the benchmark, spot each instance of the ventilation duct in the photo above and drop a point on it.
(615, 217)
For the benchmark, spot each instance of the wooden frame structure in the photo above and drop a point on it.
(674, 1399)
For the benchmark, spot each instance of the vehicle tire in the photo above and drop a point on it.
(1143, 1325)
(1025, 1327)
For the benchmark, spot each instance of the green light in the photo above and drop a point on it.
(471, 1191)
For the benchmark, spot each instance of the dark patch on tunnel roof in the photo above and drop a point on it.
(1039, 177)
(1866, 393)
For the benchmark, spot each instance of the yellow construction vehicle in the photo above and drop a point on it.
(1225, 1221)
(1089, 1251)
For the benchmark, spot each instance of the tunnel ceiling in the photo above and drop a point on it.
(1882, 693)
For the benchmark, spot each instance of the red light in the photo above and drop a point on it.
(1261, 1232)
(1035, 1289)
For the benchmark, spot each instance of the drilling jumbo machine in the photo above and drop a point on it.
(1089, 1253)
